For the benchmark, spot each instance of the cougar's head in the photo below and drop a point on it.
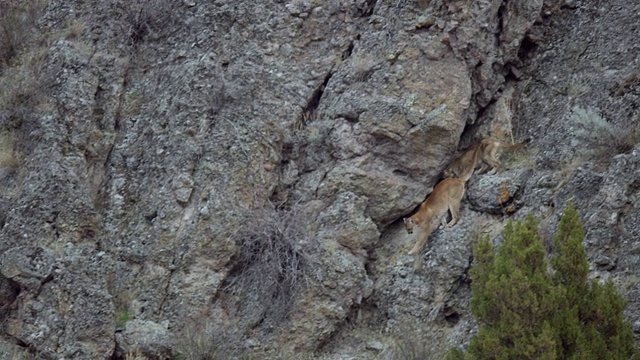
(409, 223)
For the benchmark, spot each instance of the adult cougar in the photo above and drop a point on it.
(490, 151)
(445, 196)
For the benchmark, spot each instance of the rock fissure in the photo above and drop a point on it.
(321, 182)
(349, 50)
(368, 9)
(309, 111)
(118, 127)
(166, 290)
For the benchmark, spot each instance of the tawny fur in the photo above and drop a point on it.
(447, 195)
(490, 151)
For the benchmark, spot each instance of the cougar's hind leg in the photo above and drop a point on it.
(454, 208)
(493, 161)
(482, 168)
(443, 221)
(495, 166)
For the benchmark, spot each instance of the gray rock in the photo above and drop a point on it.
(497, 194)
(27, 266)
(138, 146)
(147, 338)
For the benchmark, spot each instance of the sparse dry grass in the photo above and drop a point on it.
(74, 29)
(8, 158)
(134, 355)
(18, 26)
(133, 102)
(567, 171)
(199, 340)
(419, 342)
(23, 87)
(520, 159)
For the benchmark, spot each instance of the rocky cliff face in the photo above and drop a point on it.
(193, 177)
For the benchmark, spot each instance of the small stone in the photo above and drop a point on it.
(375, 345)
(331, 284)
(183, 186)
(204, 211)
(425, 21)
(251, 343)
(293, 9)
(37, 306)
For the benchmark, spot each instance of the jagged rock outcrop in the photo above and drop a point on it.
(236, 172)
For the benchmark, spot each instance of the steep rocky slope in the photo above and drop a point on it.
(234, 174)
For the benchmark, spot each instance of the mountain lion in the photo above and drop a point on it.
(490, 151)
(445, 196)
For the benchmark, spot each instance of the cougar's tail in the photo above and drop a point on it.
(518, 145)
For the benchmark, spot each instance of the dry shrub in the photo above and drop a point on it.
(25, 91)
(605, 138)
(18, 20)
(141, 18)
(272, 264)
(23, 86)
(22, 79)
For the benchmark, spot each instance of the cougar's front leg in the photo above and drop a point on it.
(422, 238)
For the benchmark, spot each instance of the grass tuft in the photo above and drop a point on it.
(199, 340)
